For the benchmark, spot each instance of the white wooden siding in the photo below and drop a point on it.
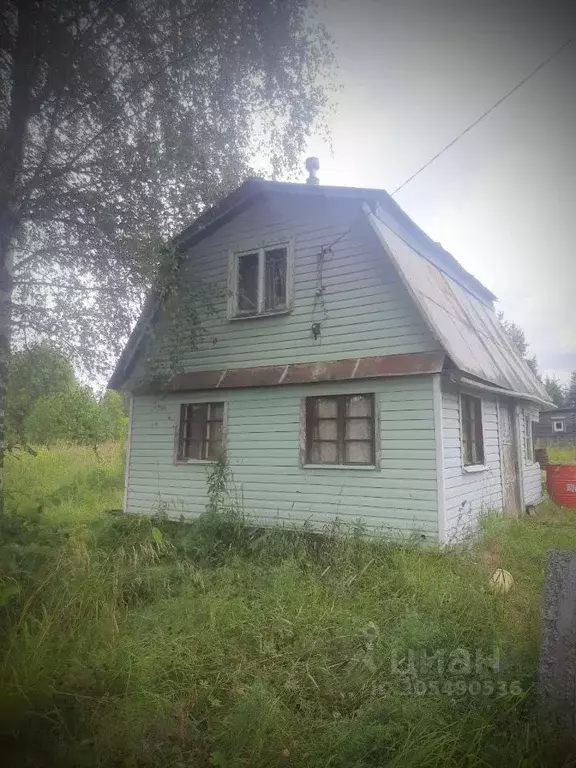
(531, 472)
(364, 309)
(264, 432)
(469, 495)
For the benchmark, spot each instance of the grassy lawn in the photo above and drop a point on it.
(146, 643)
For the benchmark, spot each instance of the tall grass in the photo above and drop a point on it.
(148, 643)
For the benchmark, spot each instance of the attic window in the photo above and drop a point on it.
(260, 282)
(558, 426)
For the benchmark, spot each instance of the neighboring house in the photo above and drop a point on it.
(353, 370)
(556, 427)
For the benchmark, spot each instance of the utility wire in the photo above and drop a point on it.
(519, 85)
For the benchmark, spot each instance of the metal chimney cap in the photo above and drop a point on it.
(312, 165)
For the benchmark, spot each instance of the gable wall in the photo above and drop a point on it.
(264, 433)
(364, 311)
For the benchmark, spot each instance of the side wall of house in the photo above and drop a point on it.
(469, 494)
(264, 432)
(531, 472)
(343, 281)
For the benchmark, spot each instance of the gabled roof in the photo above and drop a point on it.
(466, 327)
(455, 305)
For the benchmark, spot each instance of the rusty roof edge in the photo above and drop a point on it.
(284, 374)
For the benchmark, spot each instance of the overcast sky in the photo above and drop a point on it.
(412, 75)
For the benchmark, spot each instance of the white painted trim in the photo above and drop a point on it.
(471, 467)
(518, 415)
(465, 382)
(128, 452)
(439, 440)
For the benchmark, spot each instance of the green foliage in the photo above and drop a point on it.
(555, 390)
(123, 121)
(518, 339)
(37, 371)
(570, 399)
(129, 643)
(76, 416)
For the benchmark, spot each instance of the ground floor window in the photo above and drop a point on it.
(529, 438)
(200, 433)
(472, 432)
(340, 429)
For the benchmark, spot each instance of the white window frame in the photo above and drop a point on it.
(529, 438)
(471, 467)
(234, 258)
(562, 425)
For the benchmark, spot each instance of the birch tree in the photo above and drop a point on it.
(119, 121)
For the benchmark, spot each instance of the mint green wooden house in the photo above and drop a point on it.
(351, 370)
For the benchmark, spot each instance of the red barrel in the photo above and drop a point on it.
(561, 484)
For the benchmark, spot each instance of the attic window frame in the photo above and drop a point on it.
(562, 426)
(233, 278)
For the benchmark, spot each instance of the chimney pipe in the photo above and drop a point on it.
(312, 165)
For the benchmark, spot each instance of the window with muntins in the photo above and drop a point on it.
(201, 431)
(472, 433)
(261, 282)
(340, 429)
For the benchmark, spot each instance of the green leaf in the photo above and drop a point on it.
(157, 535)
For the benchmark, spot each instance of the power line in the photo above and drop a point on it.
(519, 85)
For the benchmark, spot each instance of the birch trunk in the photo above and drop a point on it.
(5, 304)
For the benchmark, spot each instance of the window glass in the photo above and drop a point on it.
(200, 434)
(472, 433)
(275, 263)
(340, 430)
(248, 283)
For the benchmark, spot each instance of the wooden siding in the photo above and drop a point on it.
(468, 495)
(263, 443)
(364, 309)
(531, 472)
(545, 432)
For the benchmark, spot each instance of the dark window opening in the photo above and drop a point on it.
(248, 283)
(275, 279)
(340, 429)
(472, 434)
(200, 434)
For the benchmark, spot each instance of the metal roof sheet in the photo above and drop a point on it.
(466, 326)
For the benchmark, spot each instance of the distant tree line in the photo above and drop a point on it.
(47, 404)
(563, 397)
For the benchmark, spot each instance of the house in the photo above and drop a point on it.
(352, 370)
(557, 427)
